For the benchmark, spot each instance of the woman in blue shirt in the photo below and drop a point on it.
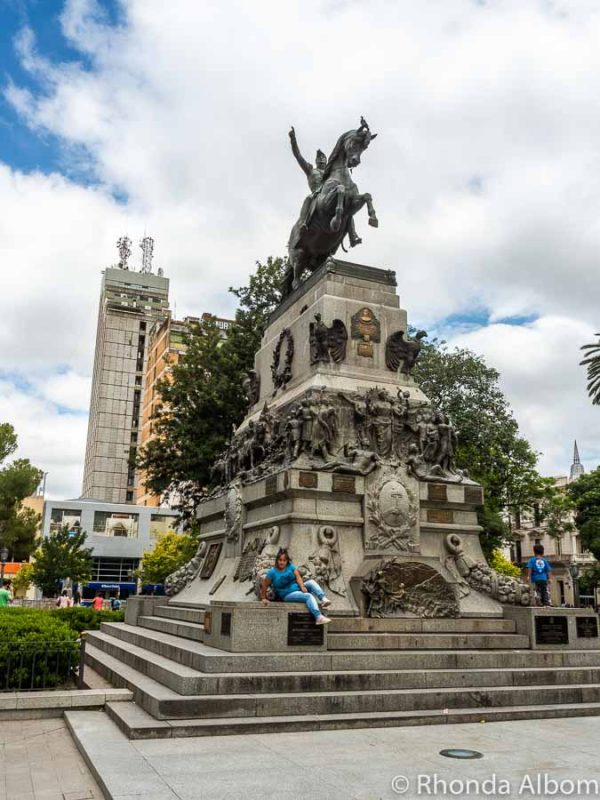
(288, 585)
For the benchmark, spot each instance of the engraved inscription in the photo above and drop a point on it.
(308, 480)
(587, 627)
(438, 492)
(226, 623)
(210, 562)
(474, 495)
(271, 484)
(344, 483)
(551, 630)
(303, 631)
(441, 515)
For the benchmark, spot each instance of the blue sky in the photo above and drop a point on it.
(172, 119)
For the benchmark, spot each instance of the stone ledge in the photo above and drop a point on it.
(24, 705)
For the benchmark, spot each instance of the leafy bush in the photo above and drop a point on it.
(37, 650)
(81, 618)
(502, 565)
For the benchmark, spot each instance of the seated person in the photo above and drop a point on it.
(288, 585)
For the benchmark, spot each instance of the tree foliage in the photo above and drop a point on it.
(21, 582)
(490, 446)
(172, 550)
(202, 400)
(18, 480)
(62, 555)
(585, 494)
(500, 563)
(592, 362)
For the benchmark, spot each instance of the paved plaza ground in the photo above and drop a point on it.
(40, 761)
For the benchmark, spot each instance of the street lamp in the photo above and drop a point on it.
(3, 560)
(574, 572)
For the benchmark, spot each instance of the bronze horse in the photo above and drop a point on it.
(317, 235)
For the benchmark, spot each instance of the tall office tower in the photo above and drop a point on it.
(130, 302)
(166, 345)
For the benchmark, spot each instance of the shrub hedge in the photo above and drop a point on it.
(37, 650)
(82, 618)
(39, 647)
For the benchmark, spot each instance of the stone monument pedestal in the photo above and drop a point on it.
(343, 461)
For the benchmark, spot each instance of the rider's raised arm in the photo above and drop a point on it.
(304, 165)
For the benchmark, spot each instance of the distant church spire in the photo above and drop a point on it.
(576, 467)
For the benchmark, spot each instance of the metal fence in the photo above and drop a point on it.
(35, 666)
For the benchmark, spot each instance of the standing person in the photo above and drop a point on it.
(64, 601)
(115, 603)
(98, 602)
(4, 595)
(287, 582)
(76, 597)
(540, 570)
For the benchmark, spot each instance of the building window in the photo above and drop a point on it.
(114, 570)
(59, 517)
(142, 326)
(129, 497)
(113, 523)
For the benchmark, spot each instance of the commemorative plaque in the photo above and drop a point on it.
(271, 484)
(551, 630)
(226, 623)
(474, 495)
(303, 631)
(308, 480)
(437, 492)
(345, 484)
(440, 515)
(210, 562)
(587, 627)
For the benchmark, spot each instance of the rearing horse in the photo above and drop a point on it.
(317, 237)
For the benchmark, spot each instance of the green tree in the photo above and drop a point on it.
(500, 563)
(592, 362)
(22, 580)
(62, 555)
(18, 480)
(589, 580)
(490, 446)
(556, 509)
(172, 550)
(203, 398)
(585, 494)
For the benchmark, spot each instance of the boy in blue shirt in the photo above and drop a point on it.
(539, 574)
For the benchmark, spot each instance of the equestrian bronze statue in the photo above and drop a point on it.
(327, 214)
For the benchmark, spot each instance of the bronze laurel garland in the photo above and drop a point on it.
(283, 376)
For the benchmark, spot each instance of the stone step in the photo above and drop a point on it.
(209, 660)
(186, 681)
(164, 703)
(426, 641)
(180, 612)
(178, 677)
(176, 627)
(414, 625)
(137, 724)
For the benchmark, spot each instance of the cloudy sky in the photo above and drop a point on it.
(125, 116)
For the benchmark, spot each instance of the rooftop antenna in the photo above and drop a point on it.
(124, 248)
(147, 248)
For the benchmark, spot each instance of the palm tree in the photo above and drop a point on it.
(592, 361)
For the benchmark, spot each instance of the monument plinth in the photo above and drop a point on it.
(342, 460)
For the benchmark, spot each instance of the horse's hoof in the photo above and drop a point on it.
(355, 242)
(373, 222)
(336, 224)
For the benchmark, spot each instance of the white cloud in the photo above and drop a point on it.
(482, 174)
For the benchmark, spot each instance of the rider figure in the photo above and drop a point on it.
(316, 179)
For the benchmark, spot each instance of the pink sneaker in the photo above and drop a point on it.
(323, 620)
(325, 602)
